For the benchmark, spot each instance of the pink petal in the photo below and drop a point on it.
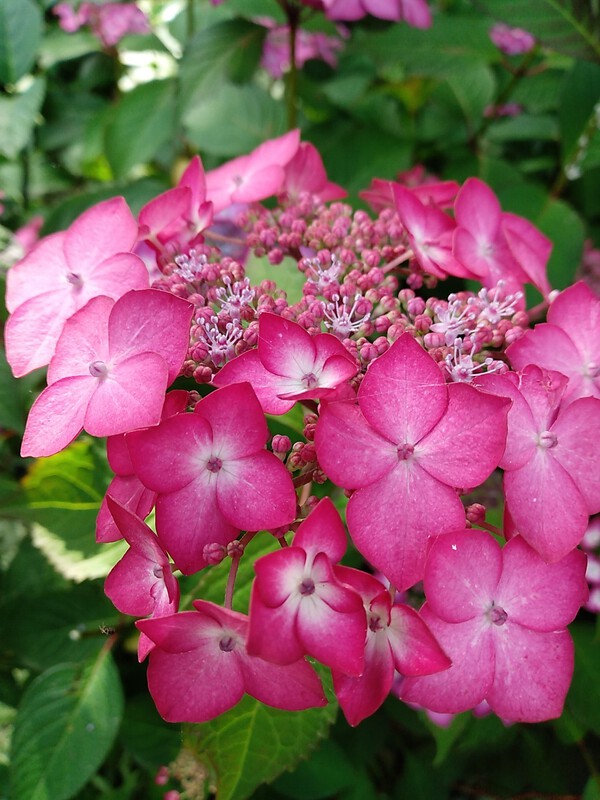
(530, 247)
(578, 430)
(477, 209)
(278, 575)
(350, 452)
(461, 575)
(164, 214)
(474, 423)
(545, 597)
(168, 457)
(256, 492)
(533, 673)
(284, 347)
(43, 270)
(391, 520)
(118, 456)
(117, 406)
(359, 697)
(470, 647)
(272, 632)
(83, 341)
(258, 184)
(322, 532)
(190, 519)
(293, 687)
(576, 311)
(138, 323)
(131, 493)
(543, 390)
(546, 506)
(248, 367)
(236, 419)
(415, 649)
(102, 230)
(115, 276)
(403, 395)
(65, 403)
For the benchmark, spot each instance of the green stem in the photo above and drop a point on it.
(291, 84)
(191, 22)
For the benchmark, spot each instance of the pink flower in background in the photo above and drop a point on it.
(109, 22)
(105, 353)
(276, 51)
(306, 173)
(512, 41)
(405, 447)
(200, 667)
(142, 583)
(64, 271)
(397, 639)
(300, 607)
(569, 342)
(414, 12)
(500, 614)
(289, 365)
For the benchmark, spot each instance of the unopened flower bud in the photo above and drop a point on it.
(476, 513)
(281, 444)
(162, 776)
(235, 549)
(213, 553)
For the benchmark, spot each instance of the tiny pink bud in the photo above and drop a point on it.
(416, 306)
(162, 776)
(172, 794)
(281, 444)
(235, 549)
(213, 553)
(423, 323)
(476, 513)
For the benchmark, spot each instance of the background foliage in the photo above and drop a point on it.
(80, 123)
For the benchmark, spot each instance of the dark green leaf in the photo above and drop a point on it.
(253, 744)
(149, 739)
(144, 120)
(583, 700)
(328, 771)
(20, 34)
(571, 27)
(524, 127)
(579, 114)
(66, 723)
(234, 120)
(474, 88)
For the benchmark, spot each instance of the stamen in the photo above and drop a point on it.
(227, 644)
(214, 464)
(340, 317)
(405, 451)
(547, 439)
(307, 587)
(98, 369)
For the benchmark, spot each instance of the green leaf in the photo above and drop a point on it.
(57, 626)
(212, 56)
(592, 789)
(234, 120)
(20, 35)
(14, 396)
(287, 275)
(579, 113)
(474, 88)
(143, 121)
(65, 726)
(571, 27)
(149, 739)
(566, 230)
(253, 744)
(524, 127)
(446, 738)
(583, 700)
(328, 771)
(18, 116)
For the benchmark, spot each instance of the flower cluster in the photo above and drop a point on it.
(413, 397)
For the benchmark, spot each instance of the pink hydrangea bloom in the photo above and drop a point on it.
(299, 607)
(289, 365)
(142, 583)
(200, 667)
(569, 342)
(512, 41)
(397, 639)
(126, 487)
(501, 616)
(212, 475)
(551, 470)
(276, 51)
(109, 22)
(105, 353)
(405, 448)
(62, 273)
(305, 173)
(414, 12)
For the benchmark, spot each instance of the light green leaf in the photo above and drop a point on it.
(89, 562)
(571, 27)
(253, 744)
(20, 34)
(524, 127)
(18, 116)
(287, 275)
(474, 88)
(592, 789)
(579, 116)
(566, 230)
(143, 121)
(233, 120)
(65, 726)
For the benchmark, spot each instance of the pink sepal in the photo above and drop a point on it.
(322, 532)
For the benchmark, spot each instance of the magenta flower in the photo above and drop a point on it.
(413, 12)
(299, 607)
(305, 173)
(109, 22)
(200, 668)
(397, 639)
(569, 342)
(501, 616)
(256, 176)
(405, 448)
(62, 273)
(289, 365)
(512, 41)
(106, 352)
(142, 583)
(126, 487)
(551, 465)
(212, 475)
